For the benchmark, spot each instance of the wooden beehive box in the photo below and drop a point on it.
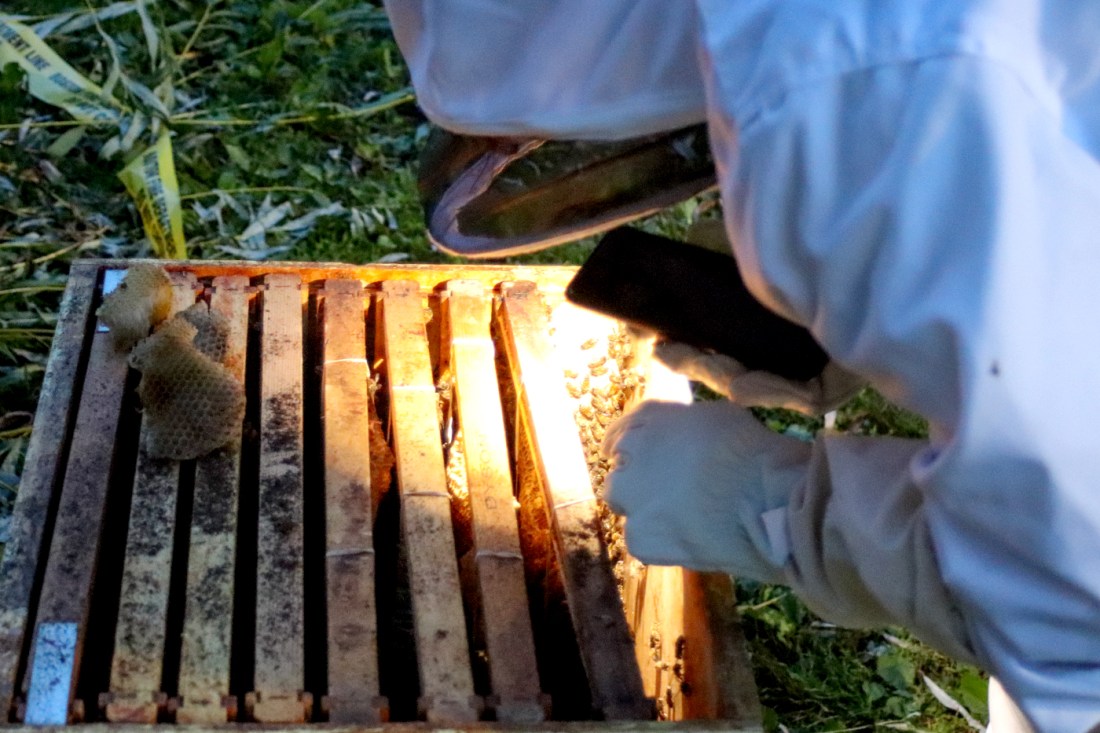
(297, 580)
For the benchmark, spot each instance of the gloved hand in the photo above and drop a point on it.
(725, 375)
(704, 486)
(839, 520)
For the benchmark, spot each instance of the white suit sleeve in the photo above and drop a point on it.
(859, 550)
(933, 219)
(569, 69)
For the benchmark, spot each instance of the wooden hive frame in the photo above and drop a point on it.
(254, 584)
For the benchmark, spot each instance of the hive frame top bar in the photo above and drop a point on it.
(551, 279)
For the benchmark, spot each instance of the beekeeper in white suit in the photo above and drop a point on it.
(918, 183)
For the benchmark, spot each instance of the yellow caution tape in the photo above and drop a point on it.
(150, 177)
(52, 80)
(151, 180)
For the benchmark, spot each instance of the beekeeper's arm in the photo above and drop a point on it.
(706, 486)
(572, 69)
(927, 201)
(918, 185)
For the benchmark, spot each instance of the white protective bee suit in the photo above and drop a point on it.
(917, 182)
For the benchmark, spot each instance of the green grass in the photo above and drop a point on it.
(289, 125)
(814, 676)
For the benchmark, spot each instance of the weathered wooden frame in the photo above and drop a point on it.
(677, 604)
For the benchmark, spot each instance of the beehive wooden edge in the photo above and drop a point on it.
(74, 319)
(695, 726)
(551, 279)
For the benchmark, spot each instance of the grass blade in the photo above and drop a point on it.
(152, 40)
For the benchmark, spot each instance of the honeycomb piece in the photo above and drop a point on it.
(192, 404)
(212, 337)
(141, 301)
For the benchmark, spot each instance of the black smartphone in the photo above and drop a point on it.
(693, 295)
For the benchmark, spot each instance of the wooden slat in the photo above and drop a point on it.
(41, 468)
(353, 688)
(446, 680)
(280, 653)
(208, 615)
(660, 645)
(689, 644)
(135, 687)
(74, 547)
(501, 586)
(715, 656)
(602, 634)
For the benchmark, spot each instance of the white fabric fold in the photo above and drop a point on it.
(570, 68)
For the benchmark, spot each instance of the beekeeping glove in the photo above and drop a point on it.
(839, 520)
(725, 375)
(699, 484)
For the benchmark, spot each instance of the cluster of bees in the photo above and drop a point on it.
(603, 382)
(602, 388)
(602, 379)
